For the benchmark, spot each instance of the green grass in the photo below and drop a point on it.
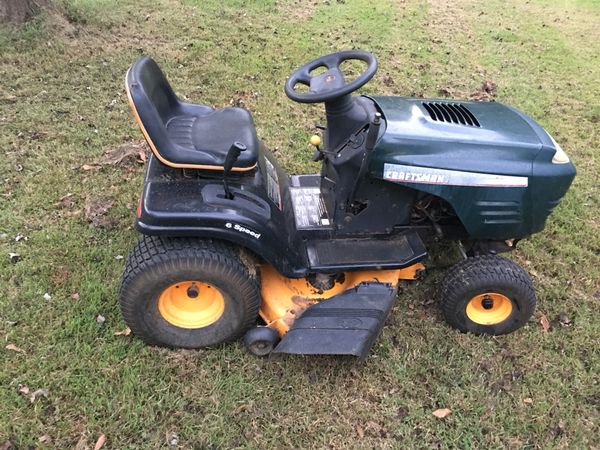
(62, 105)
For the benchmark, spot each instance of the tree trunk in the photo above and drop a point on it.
(19, 11)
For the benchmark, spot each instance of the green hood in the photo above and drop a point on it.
(490, 162)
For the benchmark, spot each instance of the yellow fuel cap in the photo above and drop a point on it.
(315, 140)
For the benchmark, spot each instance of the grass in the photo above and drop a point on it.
(62, 105)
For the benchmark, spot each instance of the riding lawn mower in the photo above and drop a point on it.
(232, 246)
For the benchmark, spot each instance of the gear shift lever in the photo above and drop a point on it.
(232, 156)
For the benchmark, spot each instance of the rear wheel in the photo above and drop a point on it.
(188, 292)
(487, 295)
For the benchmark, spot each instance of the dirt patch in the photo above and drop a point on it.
(298, 10)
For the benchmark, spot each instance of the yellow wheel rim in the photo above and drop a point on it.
(191, 304)
(489, 309)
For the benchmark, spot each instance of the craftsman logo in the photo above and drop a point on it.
(428, 175)
(242, 229)
(411, 177)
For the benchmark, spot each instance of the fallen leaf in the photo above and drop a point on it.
(124, 332)
(14, 348)
(560, 429)
(388, 80)
(91, 167)
(95, 211)
(126, 154)
(240, 408)
(172, 440)
(564, 320)
(545, 323)
(100, 442)
(528, 400)
(480, 97)
(66, 201)
(38, 393)
(9, 98)
(360, 431)
(441, 413)
(375, 429)
(489, 86)
(45, 439)
(75, 295)
(82, 443)
(486, 93)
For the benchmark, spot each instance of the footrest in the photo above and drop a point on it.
(348, 253)
(346, 324)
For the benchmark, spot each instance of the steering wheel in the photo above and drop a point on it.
(330, 84)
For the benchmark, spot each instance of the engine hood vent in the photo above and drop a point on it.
(451, 113)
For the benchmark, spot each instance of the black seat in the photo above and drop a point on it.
(185, 135)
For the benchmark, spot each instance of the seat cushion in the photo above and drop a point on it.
(211, 135)
(187, 135)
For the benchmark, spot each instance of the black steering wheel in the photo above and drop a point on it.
(330, 84)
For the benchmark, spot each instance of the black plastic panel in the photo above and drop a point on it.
(396, 252)
(346, 324)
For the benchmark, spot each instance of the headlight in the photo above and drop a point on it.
(560, 157)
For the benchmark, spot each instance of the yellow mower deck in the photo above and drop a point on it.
(285, 299)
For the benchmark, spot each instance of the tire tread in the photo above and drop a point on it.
(154, 254)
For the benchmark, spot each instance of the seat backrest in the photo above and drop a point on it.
(148, 86)
(152, 102)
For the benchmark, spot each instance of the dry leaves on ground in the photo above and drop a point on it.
(545, 323)
(14, 348)
(124, 332)
(100, 442)
(24, 390)
(96, 209)
(45, 439)
(441, 413)
(564, 320)
(360, 431)
(67, 203)
(127, 154)
(486, 93)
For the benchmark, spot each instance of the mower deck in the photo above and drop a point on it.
(345, 324)
(343, 320)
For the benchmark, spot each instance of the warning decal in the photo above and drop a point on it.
(309, 208)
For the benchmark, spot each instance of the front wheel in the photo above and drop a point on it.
(188, 293)
(487, 295)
